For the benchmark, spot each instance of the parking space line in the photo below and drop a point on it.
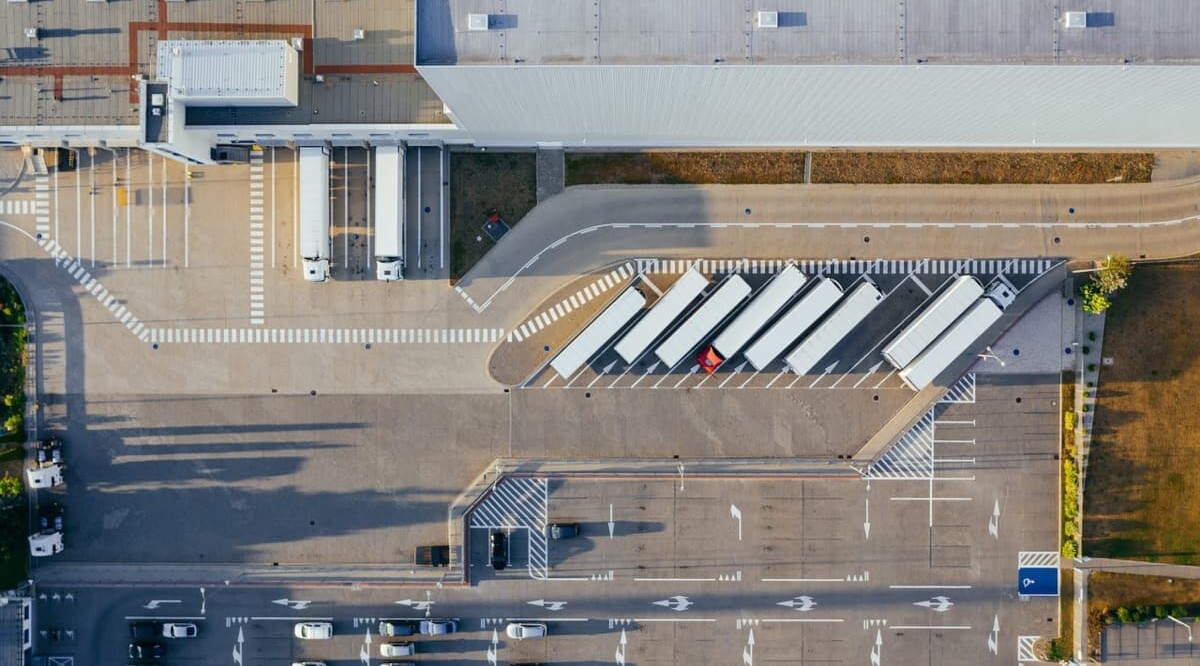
(674, 619)
(674, 580)
(949, 627)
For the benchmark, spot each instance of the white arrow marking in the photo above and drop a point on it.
(237, 648)
(549, 605)
(203, 601)
(877, 649)
(364, 655)
(681, 478)
(675, 603)
(416, 605)
(155, 603)
(994, 637)
(611, 524)
(936, 604)
(748, 653)
(491, 653)
(994, 521)
(620, 655)
(293, 604)
(867, 521)
(868, 374)
(736, 514)
(802, 604)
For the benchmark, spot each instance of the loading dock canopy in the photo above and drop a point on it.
(666, 310)
(602, 329)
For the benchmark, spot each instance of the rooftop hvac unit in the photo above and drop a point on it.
(478, 22)
(31, 33)
(359, 33)
(768, 19)
(1074, 20)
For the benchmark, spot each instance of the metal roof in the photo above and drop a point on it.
(230, 72)
(814, 31)
(825, 105)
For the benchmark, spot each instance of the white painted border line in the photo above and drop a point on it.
(801, 619)
(547, 619)
(934, 499)
(929, 587)
(295, 619)
(802, 580)
(675, 580)
(164, 617)
(674, 619)
(958, 627)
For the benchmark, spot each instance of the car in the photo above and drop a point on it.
(180, 630)
(438, 627)
(564, 530)
(397, 649)
(145, 650)
(398, 627)
(499, 550)
(144, 631)
(519, 631)
(313, 631)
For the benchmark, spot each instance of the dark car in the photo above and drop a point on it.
(145, 651)
(50, 518)
(398, 627)
(564, 530)
(499, 550)
(144, 631)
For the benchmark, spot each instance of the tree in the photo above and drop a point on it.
(1093, 298)
(1113, 273)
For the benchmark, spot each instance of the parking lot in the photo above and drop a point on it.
(915, 556)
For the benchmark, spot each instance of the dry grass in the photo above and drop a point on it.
(1142, 495)
(1108, 591)
(479, 183)
(981, 168)
(774, 168)
(675, 168)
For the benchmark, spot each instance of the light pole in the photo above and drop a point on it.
(1183, 624)
(988, 353)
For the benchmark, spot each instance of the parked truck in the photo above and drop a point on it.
(432, 556)
(389, 213)
(315, 242)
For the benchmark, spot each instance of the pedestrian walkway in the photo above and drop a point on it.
(516, 503)
(551, 172)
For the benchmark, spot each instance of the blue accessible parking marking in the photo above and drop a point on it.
(1037, 582)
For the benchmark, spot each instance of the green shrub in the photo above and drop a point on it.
(1179, 612)
(1070, 549)
(1086, 408)
(1056, 651)
(1086, 350)
(1092, 336)
(1124, 615)
(1093, 299)
(1091, 367)
(1160, 612)
(1068, 420)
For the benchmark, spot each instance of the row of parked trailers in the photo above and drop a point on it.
(315, 239)
(820, 318)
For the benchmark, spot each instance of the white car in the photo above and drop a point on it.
(179, 630)
(314, 630)
(397, 649)
(519, 631)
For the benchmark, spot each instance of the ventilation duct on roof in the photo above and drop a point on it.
(768, 19)
(478, 22)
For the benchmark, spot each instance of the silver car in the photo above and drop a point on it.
(519, 631)
(438, 627)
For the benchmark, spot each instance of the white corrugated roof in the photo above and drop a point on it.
(825, 105)
(227, 69)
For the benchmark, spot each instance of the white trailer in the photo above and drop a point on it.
(765, 305)
(950, 344)
(315, 241)
(812, 305)
(389, 213)
(602, 329)
(849, 313)
(666, 310)
(712, 312)
(932, 321)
